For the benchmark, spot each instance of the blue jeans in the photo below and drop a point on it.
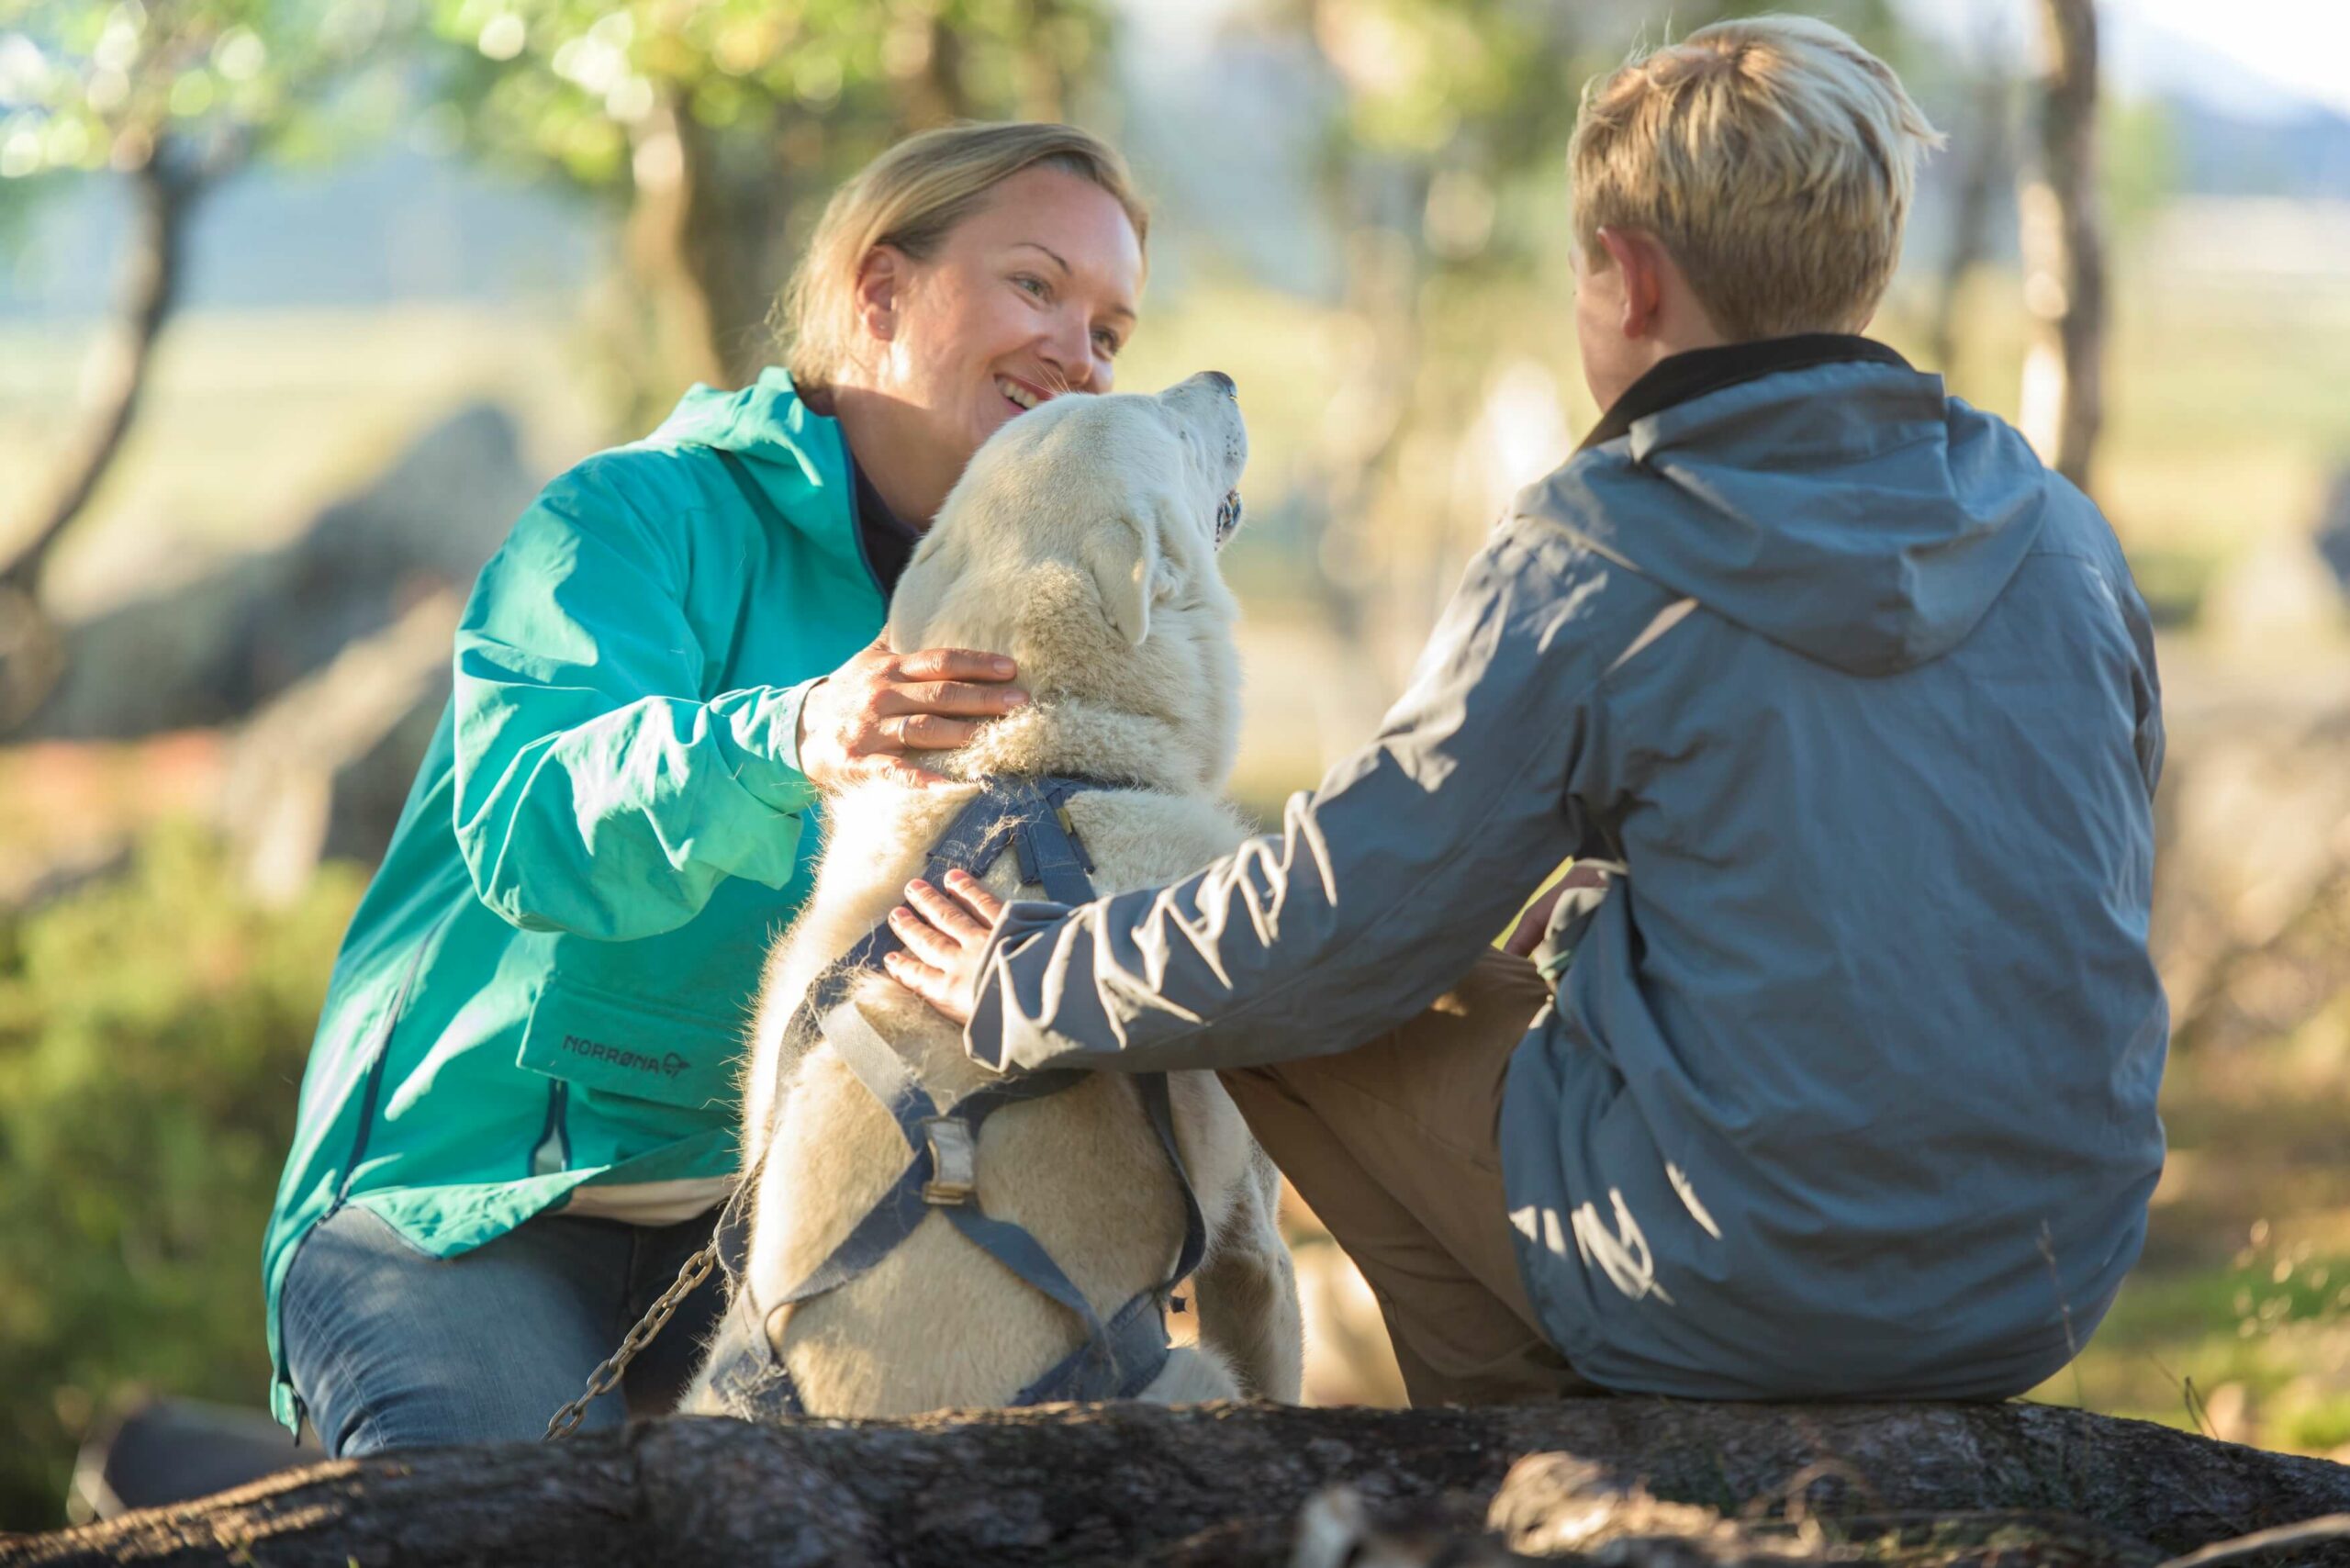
(391, 1348)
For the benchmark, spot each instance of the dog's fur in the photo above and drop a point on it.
(1081, 542)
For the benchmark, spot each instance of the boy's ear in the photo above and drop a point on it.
(1638, 259)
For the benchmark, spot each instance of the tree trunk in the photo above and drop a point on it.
(670, 165)
(1984, 172)
(2064, 256)
(1223, 1485)
(930, 87)
(112, 380)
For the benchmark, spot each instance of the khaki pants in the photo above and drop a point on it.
(1397, 1146)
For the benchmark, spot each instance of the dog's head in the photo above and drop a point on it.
(1083, 540)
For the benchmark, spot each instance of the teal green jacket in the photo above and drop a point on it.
(546, 984)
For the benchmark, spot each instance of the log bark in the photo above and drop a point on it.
(1226, 1484)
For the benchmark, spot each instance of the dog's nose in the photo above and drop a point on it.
(1222, 383)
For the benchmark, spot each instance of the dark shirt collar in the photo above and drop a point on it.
(1695, 371)
(886, 539)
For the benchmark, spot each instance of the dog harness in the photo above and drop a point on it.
(1120, 1356)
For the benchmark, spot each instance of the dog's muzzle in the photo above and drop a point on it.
(1227, 518)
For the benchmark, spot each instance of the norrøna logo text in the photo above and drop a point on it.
(669, 1066)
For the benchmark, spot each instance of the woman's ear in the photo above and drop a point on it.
(880, 282)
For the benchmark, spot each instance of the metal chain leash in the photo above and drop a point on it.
(605, 1378)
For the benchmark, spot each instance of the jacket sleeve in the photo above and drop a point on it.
(598, 791)
(1383, 883)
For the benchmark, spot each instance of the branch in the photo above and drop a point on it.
(117, 372)
(31, 648)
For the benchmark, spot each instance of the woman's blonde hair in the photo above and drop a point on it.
(910, 199)
(1773, 156)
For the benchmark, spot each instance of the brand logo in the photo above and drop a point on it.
(667, 1066)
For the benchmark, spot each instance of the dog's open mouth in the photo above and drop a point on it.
(1227, 518)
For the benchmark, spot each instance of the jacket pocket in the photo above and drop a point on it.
(617, 1045)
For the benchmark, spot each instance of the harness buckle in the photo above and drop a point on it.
(954, 1160)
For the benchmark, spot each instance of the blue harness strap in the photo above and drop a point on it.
(1117, 1359)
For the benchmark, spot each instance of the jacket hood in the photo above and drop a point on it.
(765, 419)
(1853, 513)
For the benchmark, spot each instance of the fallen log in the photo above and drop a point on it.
(1226, 1484)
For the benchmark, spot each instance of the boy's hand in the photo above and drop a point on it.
(944, 937)
(865, 719)
(1527, 934)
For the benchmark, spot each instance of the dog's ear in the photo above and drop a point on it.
(1123, 553)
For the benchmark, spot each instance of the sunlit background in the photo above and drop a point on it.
(300, 300)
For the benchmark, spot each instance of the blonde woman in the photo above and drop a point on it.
(517, 1120)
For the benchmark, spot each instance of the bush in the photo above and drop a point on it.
(152, 1036)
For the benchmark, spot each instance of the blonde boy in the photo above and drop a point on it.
(1840, 1080)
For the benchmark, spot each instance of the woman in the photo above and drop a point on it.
(517, 1120)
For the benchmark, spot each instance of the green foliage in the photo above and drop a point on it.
(1480, 97)
(153, 1032)
(569, 83)
(87, 86)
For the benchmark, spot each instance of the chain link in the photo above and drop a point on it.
(605, 1378)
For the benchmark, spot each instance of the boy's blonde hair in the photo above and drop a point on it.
(1773, 156)
(909, 198)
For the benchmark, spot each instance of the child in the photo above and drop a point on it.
(1847, 1088)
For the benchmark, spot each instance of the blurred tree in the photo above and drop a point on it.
(173, 97)
(2063, 406)
(1443, 176)
(719, 125)
(1984, 144)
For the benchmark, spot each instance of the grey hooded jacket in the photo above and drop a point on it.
(1849, 1086)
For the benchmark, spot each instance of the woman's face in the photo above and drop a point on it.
(1029, 296)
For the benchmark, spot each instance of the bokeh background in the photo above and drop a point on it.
(300, 300)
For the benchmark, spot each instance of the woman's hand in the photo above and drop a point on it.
(863, 720)
(944, 933)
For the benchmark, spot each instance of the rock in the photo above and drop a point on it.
(217, 650)
(167, 1451)
(325, 767)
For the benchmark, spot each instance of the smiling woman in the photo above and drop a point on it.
(519, 1113)
(923, 324)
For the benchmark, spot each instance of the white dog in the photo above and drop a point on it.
(1081, 540)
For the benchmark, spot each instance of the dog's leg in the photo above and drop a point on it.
(1247, 1291)
(1194, 1375)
